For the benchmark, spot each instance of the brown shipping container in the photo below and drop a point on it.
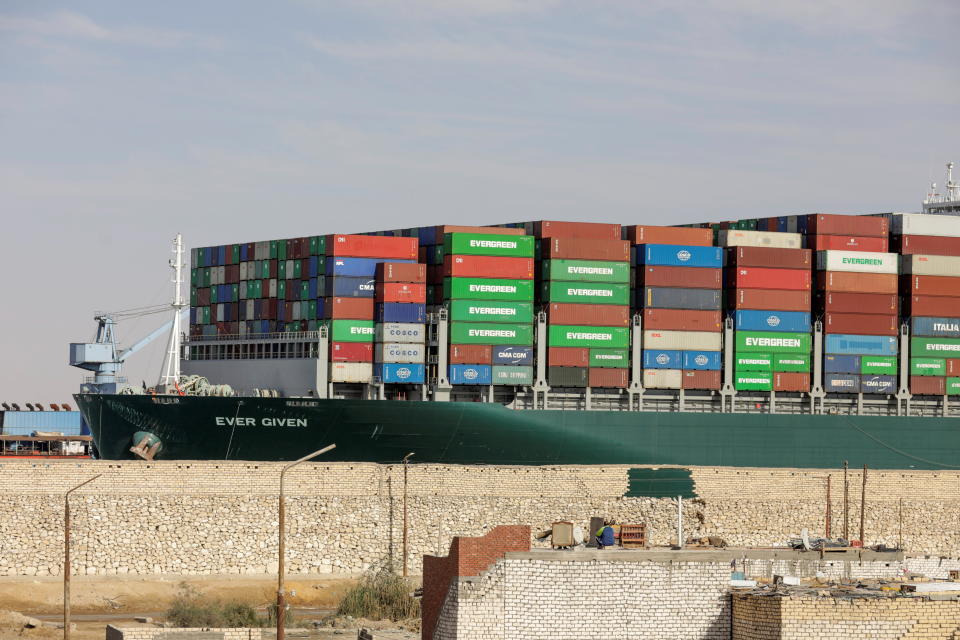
(684, 277)
(857, 282)
(443, 230)
(568, 357)
(560, 229)
(769, 257)
(586, 249)
(598, 315)
(611, 378)
(778, 299)
(880, 303)
(488, 267)
(682, 320)
(348, 308)
(762, 278)
(401, 272)
(791, 381)
(932, 286)
(471, 354)
(953, 367)
(938, 307)
(646, 234)
(928, 385)
(700, 379)
(841, 225)
(848, 243)
(930, 245)
(866, 324)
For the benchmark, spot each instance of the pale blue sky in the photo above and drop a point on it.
(124, 122)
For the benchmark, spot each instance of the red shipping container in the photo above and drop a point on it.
(597, 315)
(609, 378)
(848, 243)
(700, 379)
(401, 272)
(372, 247)
(831, 224)
(867, 324)
(769, 257)
(928, 385)
(880, 303)
(348, 308)
(682, 320)
(767, 299)
(685, 277)
(560, 229)
(270, 312)
(857, 282)
(762, 278)
(203, 297)
(471, 354)
(932, 286)
(791, 381)
(487, 267)
(929, 245)
(953, 367)
(941, 307)
(232, 274)
(400, 292)
(568, 357)
(351, 352)
(586, 249)
(647, 234)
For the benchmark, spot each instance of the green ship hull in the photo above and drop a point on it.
(249, 428)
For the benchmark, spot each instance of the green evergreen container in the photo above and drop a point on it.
(585, 293)
(564, 335)
(351, 330)
(586, 271)
(282, 290)
(491, 311)
(491, 333)
(791, 362)
(510, 375)
(753, 381)
(928, 367)
(273, 249)
(942, 347)
(772, 342)
(318, 245)
(487, 289)
(878, 365)
(953, 386)
(488, 244)
(297, 269)
(610, 358)
(234, 292)
(762, 362)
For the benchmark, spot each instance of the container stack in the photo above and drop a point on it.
(350, 285)
(400, 311)
(679, 291)
(856, 297)
(488, 282)
(769, 282)
(585, 288)
(930, 286)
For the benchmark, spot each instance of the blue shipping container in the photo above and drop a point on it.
(662, 359)
(791, 321)
(513, 355)
(401, 312)
(243, 253)
(841, 382)
(313, 266)
(221, 255)
(471, 374)
(677, 255)
(845, 344)
(346, 287)
(399, 373)
(841, 364)
(355, 267)
(935, 327)
(878, 384)
(701, 360)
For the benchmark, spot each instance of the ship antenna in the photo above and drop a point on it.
(171, 368)
(953, 189)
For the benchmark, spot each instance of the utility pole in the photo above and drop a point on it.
(406, 459)
(846, 503)
(281, 594)
(863, 503)
(66, 556)
(829, 511)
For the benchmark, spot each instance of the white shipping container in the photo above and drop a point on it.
(776, 239)
(399, 352)
(858, 261)
(243, 270)
(250, 305)
(261, 251)
(295, 311)
(351, 371)
(925, 224)
(920, 265)
(400, 332)
(220, 313)
(662, 378)
(273, 288)
(221, 275)
(683, 340)
(289, 268)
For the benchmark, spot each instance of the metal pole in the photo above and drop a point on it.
(900, 533)
(846, 505)
(863, 503)
(281, 534)
(680, 522)
(66, 556)
(829, 511)
(406, 459)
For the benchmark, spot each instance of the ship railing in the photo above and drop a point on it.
(291, 336)
(93, 380)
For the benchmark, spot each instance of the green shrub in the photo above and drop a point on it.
(191, 608)
(380, 595)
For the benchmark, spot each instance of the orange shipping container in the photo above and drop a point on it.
(401, 272)
(791, 381)
(372, 247)
(700, 379)
(761, 278)
(488, 267)
(608, 377)
(929, 245)
(586, 249)
(560, 229)
(681, 319)
(767, 299)
(848, 243)
(647, 234)
(832, 224)
(471, 354)
(349, 308)
(928, 385)
(769, 257)
(933, 286)
(857, 282)
(568, 357)
(400, 292)
(953, 367)
(867, 324)
(598, 315)
(939, 307)
(684, 277)
(880, 303)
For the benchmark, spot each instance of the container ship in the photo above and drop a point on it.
(792, 341)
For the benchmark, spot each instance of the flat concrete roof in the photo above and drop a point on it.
(702, 555)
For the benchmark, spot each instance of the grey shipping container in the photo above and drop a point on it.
(567, 376)
(878, 384)
(677, 298)
(841, 382)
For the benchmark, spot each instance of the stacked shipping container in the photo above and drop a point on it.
(400, 331)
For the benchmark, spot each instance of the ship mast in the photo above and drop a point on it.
(946, 203)
(171, 366)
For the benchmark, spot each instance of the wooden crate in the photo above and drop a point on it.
(633, 536)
